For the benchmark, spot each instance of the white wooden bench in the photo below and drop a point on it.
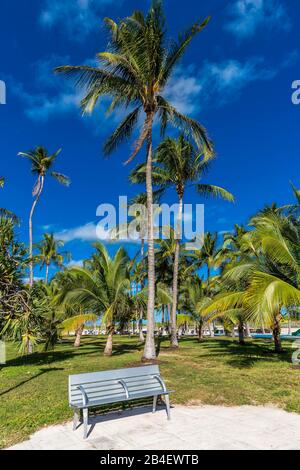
(112, 386)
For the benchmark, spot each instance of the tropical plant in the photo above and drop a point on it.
(48, 253)
(193, 300)
(265, 281)
(41, 164)
(76, 322)
(135, 71)
(178, 164)
(12, 266)
(103, 288)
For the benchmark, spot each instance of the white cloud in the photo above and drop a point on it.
(191, 90)
(182, 91)
(41, 106)
(78, 18)
(75, 263)
(26, 280)
(249, 15)
(222, 80)
(85, 232)
(55, 96)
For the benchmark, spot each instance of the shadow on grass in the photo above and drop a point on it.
(64, 353)
(245, 356)
(42, 372)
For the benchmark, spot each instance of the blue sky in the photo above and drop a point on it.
(235, 79)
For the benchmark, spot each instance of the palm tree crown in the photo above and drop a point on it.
(48, 252)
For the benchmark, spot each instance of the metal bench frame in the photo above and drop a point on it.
(115, 386)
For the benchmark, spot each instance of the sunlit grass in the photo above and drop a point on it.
(33, 390)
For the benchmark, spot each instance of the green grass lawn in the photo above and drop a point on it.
(33, 390)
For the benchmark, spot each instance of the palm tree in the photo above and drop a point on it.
(178, 164)
(76, 323)
(210, 257)
(141, 223)
(41, 164)
(48, 253)
(269, 274)
(103, 288)
(194, 299)
(134, 72)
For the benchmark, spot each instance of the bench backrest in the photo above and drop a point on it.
(102, 386)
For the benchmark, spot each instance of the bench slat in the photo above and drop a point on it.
(80, 379)
(103, 387)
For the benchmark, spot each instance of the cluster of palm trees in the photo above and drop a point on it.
(250, 277)
(134, 73)
(260, 270)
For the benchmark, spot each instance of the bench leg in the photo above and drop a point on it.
(76, 419)
(85, 422)
(167, 400)
(154, 404)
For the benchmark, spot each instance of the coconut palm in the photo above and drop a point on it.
(193, 299)
(48, 253)
(178, 164)
(134, 72)
(270, 274)
(76, 322)
(41, 164)
(103, 288)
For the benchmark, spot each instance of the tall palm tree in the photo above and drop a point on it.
(48, 253)
(178, 164)
(134, 72)
(103, 288)
(41, 164)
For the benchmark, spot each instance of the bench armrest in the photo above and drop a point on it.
(160, 380)
(84, 395)
(125, 387)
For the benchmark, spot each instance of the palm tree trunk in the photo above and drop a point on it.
(29, 348)
(174, 339)
(200, 331)
(149, 349)
(241, 333)
(30, 229)
(109, 341)
(141, 334)
(78, 333)
(47, 273)
(276, 329)
(289, 324)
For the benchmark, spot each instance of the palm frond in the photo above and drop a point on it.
(209, 190)
(123, 131)
(62, 179)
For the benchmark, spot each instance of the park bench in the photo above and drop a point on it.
(113, 386)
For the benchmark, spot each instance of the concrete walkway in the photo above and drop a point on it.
(194, 427)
